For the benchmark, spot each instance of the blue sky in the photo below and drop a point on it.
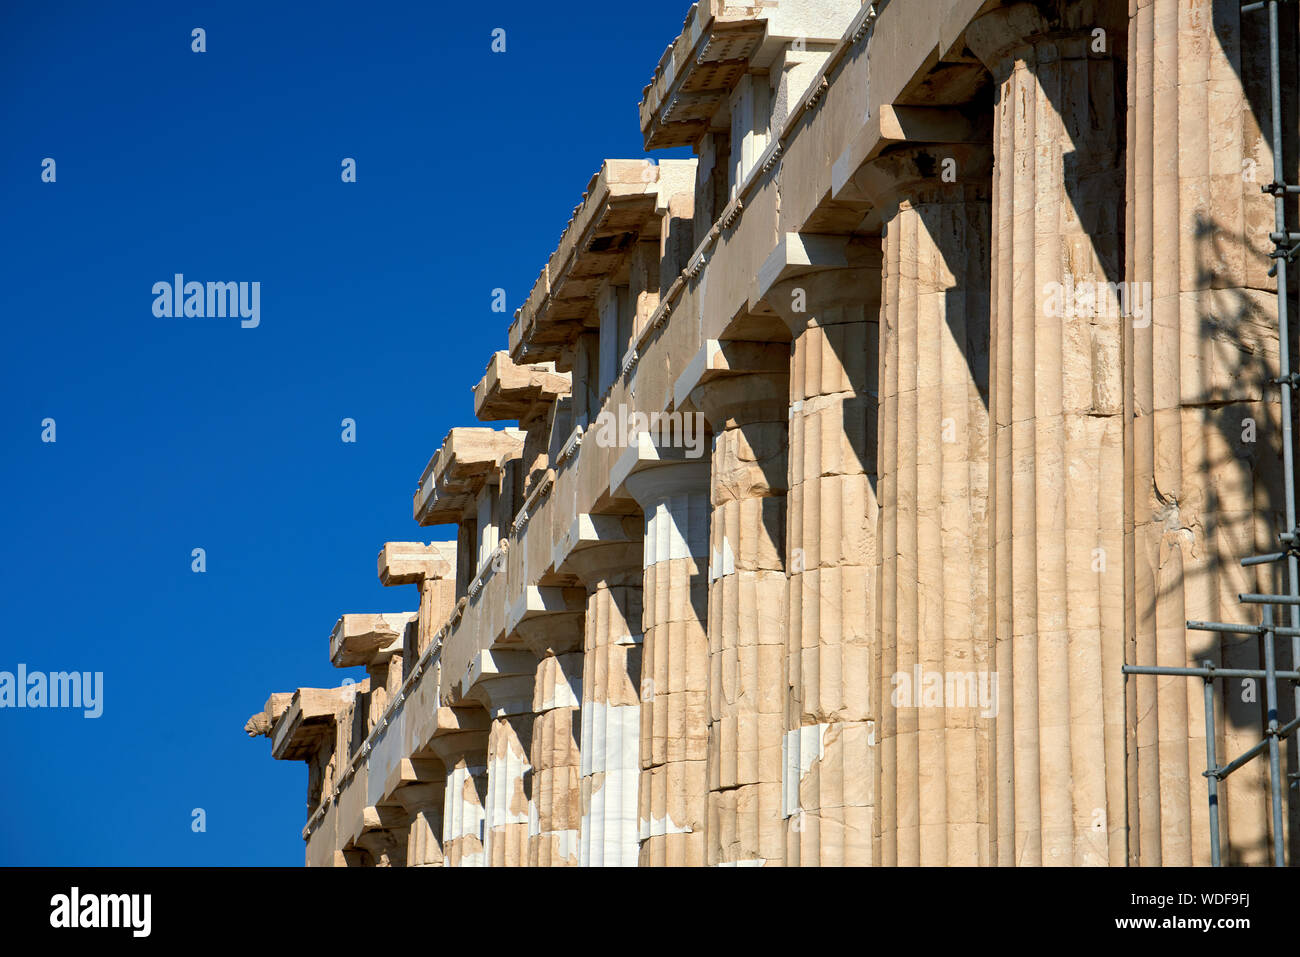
(175, 434)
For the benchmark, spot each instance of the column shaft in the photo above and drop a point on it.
(673, 792)
(937, 671)
(1202, 422)
(747, 606)
(463, 812)
(424, 802)
(509, 774)
(1058, 428)
(611, 725)
(831, 774)
(553, 839)
(424, 847)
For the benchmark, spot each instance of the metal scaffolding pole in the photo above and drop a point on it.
(1274, 733)
(1211, 761)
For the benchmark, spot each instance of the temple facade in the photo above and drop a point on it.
(844, 466)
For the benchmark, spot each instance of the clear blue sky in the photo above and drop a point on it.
(175, 434)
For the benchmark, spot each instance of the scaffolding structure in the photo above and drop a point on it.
(1286, 245)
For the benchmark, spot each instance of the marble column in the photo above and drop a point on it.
(556, 640)
(422, 793)
(746, 405)
(1202, 426)
(1056, 393)
(831, 774)
(605, 553)
(424, 843)
(939, 686)
(673, 792)
(502, 681)
(461, 741)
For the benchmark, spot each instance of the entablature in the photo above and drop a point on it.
(721, 41)
(460, 469)
(518, 391)
(359, 640)
(307, 722)
(619, 209)
(410, 563)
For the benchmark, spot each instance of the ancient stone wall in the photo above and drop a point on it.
(848, 464)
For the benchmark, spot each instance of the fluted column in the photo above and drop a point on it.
(611, 725)
(673, 793)
(939, 687)
(747, 411)
(502, 681)
(422, 794)
(461, 741)
(605, 553)
(1202, 423)
(556, 640)
(424, 843)
(1057, 485)
(831, 774)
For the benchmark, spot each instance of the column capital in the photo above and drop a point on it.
(415, 798)
(895, 125)
(998, 36)
(383, 817)
(541, 618)
(736, 383)
(923, 174)
(601, 549)
(824, 278)
(549, 635)
(501, 681)
(461, 732)
(651, 473)
(383, 835)
(413, 773)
